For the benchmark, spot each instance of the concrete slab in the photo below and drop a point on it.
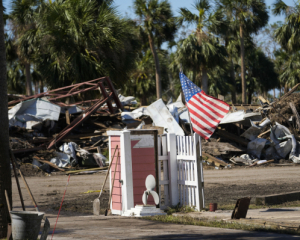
(115, 227)
(281, 217)
(277, 198)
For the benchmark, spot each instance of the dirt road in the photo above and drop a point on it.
(221, 186)
(226, 186)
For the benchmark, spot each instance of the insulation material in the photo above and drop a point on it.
(163, 118)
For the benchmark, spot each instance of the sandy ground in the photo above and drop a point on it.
(77, 222)
(221, 186)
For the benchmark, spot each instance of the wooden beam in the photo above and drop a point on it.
(67, 117)
(214, 160)
(49, 163)
(232, 137)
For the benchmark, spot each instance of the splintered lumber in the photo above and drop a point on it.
(232, 137)
(221, 147)
(68, 117)
(292, 105)
(214, 160)
(49, 163)
(263, 100)
(85, 170)
(290, 92)
(262, 134)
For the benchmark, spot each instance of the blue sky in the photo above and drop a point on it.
(125, 6)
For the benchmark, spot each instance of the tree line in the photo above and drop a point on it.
(215, 43)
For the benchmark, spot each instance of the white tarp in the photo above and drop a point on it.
(277, 132)
(240, 116)
(135, 113)
(37, 110)
(163, 118)
(233, 117)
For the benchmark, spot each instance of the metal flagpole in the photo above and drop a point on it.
(199, 161)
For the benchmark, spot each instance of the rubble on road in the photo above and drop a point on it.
(65, 129)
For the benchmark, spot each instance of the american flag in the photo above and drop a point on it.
(206, 112)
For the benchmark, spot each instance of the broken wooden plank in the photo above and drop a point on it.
(232, 137)
(68, 117)
(222, 147)
(49, 163)
(263, 100)
(85, 170)
(292, 105)
(262, 134)
(214, 160)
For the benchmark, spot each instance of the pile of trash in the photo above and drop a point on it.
(249, 135)
(66, 128)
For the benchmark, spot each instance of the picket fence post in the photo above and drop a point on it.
(173, 174)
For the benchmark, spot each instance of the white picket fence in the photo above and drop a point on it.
(181, 177)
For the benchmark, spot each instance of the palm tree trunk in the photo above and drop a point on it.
(5, 177)
(204, 80)
(144, 100)
(41, 86)
(233, 90)
(249, 96)
(157, 68)
(243, 65)
(36, 87)
(28, 79)
(286, 88)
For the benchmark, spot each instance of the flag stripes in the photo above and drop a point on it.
(206, 112)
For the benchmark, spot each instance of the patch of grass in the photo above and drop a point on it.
(178, 208)
(254, 206)
(220, 224)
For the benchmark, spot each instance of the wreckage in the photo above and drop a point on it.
(65, 128)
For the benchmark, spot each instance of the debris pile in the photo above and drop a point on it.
(65, 129)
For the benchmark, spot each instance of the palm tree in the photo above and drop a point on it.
(158, 22)
(288, 34)
(261, 76)
(248, 16)
(288, 65)
(5, 177)
(202, 49)
(81, 40)
(22, 18)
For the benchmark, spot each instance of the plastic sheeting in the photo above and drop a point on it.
(162, 117)
(256, 146)
(282, 148)
(31, 112)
